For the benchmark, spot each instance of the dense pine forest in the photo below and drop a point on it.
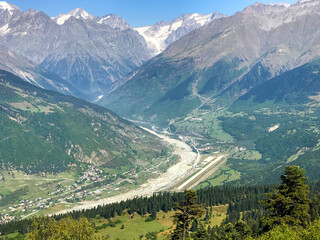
(253, 211)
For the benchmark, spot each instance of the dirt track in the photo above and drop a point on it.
(163, 182)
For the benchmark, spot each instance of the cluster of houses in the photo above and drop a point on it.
(26, 205)
(79, 191)
(92, 174)
(6, 218)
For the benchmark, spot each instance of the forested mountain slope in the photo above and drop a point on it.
(280, 119)
(44, 131)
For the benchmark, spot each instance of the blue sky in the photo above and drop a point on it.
(139, 12)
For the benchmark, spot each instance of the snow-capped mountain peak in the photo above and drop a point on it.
(114, 21)
(162, 34)
(7, 6)
(76, 13)
(80, 13)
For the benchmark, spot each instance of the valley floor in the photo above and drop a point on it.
(187, 163)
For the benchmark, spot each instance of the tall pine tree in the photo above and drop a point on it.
(288, 203)
(187, 211)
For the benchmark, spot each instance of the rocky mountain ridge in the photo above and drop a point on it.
(216, 64)
(87, 51)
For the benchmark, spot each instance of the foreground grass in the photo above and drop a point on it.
(135, 226)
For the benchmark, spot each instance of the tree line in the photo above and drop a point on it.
(253, 210)
(164, 201)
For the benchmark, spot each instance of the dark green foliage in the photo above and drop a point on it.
(151, 236)
(257, 75)
(149, 219)
(153, 214)
(288, 203)
(314, 209)
(45, 228)
(102, 226)
(201, 233)
(220, 75)
(194, 226)
(225, 232)
(292, 87)
(172, 109)
(187, 211)
(179, 92)
(228, 231)
(243, 230)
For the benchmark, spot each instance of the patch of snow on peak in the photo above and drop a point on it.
(76, 13)
(104, 18)
(303, 1)
(61, 19)
(80, 13)
(4, 29)
(176, 25)
(201, 19)
(162, 34)
(6, 6)
(280, 4)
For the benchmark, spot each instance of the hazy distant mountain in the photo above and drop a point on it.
(162, 34)
(88, 51)
(92, 53)
(30, 72)
(216, 64)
